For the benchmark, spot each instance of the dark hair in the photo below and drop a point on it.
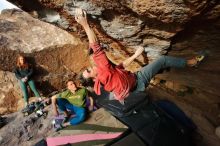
(85, 81)
(90, 51)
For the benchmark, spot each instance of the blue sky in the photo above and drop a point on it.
(6, 5)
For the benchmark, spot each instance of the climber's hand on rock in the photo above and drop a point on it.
(80, 17)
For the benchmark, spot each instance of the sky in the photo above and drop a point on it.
(6, 5)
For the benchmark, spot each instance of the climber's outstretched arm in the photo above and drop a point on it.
(81, 18)
(99, 55)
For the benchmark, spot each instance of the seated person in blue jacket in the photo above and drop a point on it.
(23, 73)
(72, 101)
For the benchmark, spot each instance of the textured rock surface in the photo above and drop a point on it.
(133, 22)
(203, 81)
(178, 28)
(9, 92)
(29, 33)
(217, 132)
(195, 90)
(20, 128)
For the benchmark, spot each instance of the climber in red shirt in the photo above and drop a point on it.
(115, 78)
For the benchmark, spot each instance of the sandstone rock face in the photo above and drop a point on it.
(199, 43)
(179, 28)
(167, 11)
(134, 22)
(201, 84)
(19, 31)
(10, 93)
(217, 132)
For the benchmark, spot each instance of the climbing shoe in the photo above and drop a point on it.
(58, 122)
(200, 57)
(28, 109)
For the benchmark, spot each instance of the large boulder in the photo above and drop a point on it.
(21, 32)
(53, 52)
(178, 28)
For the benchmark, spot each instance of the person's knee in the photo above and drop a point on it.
(53, 98)
(57, 101)
(82, 116)
(60, 102)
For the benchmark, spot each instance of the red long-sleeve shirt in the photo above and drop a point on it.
(114, 78)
